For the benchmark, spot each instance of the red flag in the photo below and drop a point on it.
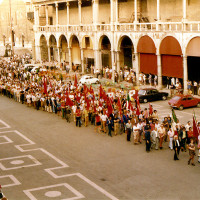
(85, 89)
(75, 81)
(150, 109)
(119, 106)
(45, 86)
(130, 106)
(101, 92)
(109, 105)
(195, 128)
(91, 90)
(138, 110)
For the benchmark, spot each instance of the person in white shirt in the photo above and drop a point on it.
(171, 136)
(188, 125)
(104, 119)
(135, 133)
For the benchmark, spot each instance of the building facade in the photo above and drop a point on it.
(15, 25)
(161, 37)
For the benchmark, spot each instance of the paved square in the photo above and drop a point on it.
(5, 140)
(60, 191)
(8, 181)
(3, 125)
(18, 162)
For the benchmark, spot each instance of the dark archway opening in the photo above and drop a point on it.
(193, 64)
(126, 50)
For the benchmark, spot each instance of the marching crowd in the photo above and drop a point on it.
(113, 115)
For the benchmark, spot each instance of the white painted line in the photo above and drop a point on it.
(15, 181)
(7, 139)
(32, 197)
(5, 124)
(36, 162)
(49, 170)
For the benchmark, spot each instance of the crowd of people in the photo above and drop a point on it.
(113, 114)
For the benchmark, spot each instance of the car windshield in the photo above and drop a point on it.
(176, 98)
(142, 92)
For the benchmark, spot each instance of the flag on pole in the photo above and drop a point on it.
(195, 127)
(45, 85)
(150, 109)
(75, 81)
(119, 106)
(174, 116)
(128, 100)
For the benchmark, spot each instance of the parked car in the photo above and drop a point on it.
(38, 69)
(151, 94)
(87, 79)
(184, 101)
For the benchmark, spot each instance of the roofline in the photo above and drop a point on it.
(46, 2)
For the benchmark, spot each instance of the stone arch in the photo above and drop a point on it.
(167, 43)
(43, 48)
(53, 47)
(87, 53)
(63, 48)
(105, 48)
(193, 59)
(171, 58)
(147, 55)
(74, 43)
(90, 41)
(120, 40)
(101, 38)
(126, 51)
(71, 39)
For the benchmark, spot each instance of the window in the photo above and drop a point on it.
(184, 99)
(87, 42)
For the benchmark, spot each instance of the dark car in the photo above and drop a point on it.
(151, 94)
(184, 101)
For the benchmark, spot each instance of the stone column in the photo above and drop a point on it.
(95, 10)
(57, 18)
(158, 15)
(79, 11)
(49, 53)
(37, 53)
(159, 70)
(117, 11)
(100, 60)
(70, 58)
(185, 74)
(96, 59)
(118, 61)
(135, 8)
(158, 10)
(58, 48)
(82, 61)
(184, 10)
(47, 15)
(137, 67)
(36, 15)
(113, 63)
(67, 12)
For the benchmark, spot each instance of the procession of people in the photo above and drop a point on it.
(113, 113)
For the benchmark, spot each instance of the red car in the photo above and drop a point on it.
(184, 101)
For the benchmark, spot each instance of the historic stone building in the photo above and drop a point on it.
(22, 28)
(161, 37)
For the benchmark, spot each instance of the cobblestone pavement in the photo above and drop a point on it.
(43, 157)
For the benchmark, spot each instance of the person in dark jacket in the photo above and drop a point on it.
(110, 125)
(176, 146)
(147, 129)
